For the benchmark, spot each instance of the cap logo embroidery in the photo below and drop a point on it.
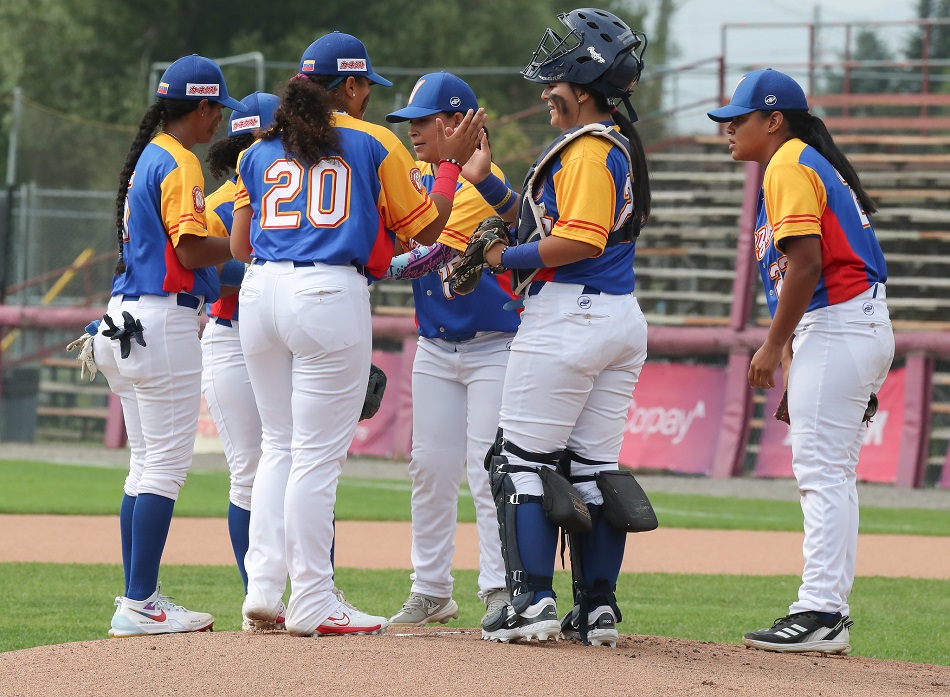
(246, 123)
(203, 89)
(163, 88)
(455, 101)
(771, 100)
(351, 65)
(596, 56)
(308, 66)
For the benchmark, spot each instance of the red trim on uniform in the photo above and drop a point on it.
(414, 215)
(843, 271)
(225, 307)
(381, 255)
(584, 225)
(177, 277)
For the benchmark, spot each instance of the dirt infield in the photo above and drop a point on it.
(451, 662)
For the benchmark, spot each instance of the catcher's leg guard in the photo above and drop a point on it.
(596, 557)
(529, 567)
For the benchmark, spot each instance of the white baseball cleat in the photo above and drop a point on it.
(421, 609)
(262, 619)
(155, 615)
(601, 627)
(539, 622)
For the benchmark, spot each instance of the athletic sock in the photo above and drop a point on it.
(239, 521)
(537, 544)
(602, 555)
(126, 511)
(150, 523)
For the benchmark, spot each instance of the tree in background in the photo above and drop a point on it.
(936, 39)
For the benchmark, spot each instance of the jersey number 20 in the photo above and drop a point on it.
(328, 194)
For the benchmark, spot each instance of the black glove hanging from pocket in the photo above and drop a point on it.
(131, 328)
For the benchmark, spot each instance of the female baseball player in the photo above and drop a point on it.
(824, 276)
(457, 377)
(583, 339)
(321, 200)
(225, 382)
(147, 345)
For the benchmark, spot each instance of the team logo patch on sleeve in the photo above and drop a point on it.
(351, 65)
(203, 89)
(199, 198)
(163, 88)
(415, 176)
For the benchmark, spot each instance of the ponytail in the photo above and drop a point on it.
(812, 130)
(162, 111)
(640, 175)
(223, 154)
(304, 121)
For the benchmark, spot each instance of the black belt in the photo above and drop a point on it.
(223, 322)
(184, 300)
(298, 264)
(536, 287)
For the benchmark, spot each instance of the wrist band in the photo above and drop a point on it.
(446, 181)
(523, 256)
(451, 161)
(496, 193)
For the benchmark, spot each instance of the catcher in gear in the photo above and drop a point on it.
(466, 275)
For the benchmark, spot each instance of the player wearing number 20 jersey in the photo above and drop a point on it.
(348, 214)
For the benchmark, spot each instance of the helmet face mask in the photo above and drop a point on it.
(599, 52)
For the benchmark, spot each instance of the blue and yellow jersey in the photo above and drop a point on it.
(346, 209)
(165, 201)
(220, 217)
(587, 193)
(441, 314)
(803, 195)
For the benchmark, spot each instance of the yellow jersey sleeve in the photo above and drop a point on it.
(586, 192)
(795, 200)
(183, 201)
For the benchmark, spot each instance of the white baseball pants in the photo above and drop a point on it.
(160, 388)
(227, 390)
(457, 397)
(841, 355)
(306, 335)
(574, 364)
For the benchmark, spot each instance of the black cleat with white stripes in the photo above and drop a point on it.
(802, 632)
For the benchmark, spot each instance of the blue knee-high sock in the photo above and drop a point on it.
(603, 549)
(153, 516)
(126, 510)
(537, 543)
(239, 521)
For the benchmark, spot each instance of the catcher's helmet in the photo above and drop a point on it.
(600, 52)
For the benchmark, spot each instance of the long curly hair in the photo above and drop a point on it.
(160, 113)
(304, 119)
(223, 154)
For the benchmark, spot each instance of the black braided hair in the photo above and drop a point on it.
(223, 154)
(161, 111)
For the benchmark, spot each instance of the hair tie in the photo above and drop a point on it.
(300, 76)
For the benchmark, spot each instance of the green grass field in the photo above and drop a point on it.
(895, 618)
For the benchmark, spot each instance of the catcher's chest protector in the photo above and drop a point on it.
(530, 227)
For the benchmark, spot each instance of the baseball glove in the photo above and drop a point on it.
(374, 392)
(781, 412)
(467, 273)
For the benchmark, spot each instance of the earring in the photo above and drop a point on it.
(353, 94)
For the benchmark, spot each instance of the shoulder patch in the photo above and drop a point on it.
(416, 177)
(199, 199)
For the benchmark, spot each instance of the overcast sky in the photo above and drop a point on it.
(698, 34)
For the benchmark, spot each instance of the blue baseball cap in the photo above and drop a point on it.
(339, 54)
(435, 93)
(259, 114)
(195, 77)
(762, 90)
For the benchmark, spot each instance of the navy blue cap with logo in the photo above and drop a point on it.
(762, 90)
(339, 54)
(195, 77)
(435, 93)
(259, 114)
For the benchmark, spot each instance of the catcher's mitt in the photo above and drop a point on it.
(374, 392)
(465, 276)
